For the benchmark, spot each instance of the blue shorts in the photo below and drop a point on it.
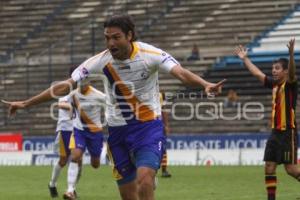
(84, 139)
(63, 142)
(135, 145)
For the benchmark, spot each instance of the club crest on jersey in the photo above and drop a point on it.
(145, 74)
(83, 73)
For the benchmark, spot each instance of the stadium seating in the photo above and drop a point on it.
(20, 19)
(276, 38)
(75, 33)
(215, 26)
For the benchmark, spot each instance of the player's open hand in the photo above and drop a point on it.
(291, 45)
(214, 88)
(13, 106)
(241, 52)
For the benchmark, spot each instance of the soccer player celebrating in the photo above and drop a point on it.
(282, 145)
(130, 68)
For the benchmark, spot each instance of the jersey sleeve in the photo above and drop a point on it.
(268, 83)
(89, 68)
(166, 62)
(160, 59)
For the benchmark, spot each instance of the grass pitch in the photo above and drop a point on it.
(187, 183)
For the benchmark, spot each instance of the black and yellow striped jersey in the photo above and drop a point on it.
(284, 100)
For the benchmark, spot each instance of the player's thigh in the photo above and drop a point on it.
(273, 150)
(289, 145)
(64, 142)
(292, 169)
(95, 161)
(77, 141)
(149, 149)
(94, 142)
(124, 170)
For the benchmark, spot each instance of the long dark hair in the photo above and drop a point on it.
(124, 22)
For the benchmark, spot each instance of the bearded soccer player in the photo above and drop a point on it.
(130, 72)
(282, 144)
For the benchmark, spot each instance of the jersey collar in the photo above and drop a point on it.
(135, 50)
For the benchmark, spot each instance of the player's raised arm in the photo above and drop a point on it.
(292, 66)
(59, 89)
(189, 78)
(242, 53)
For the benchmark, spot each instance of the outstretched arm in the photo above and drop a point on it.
(59, 89)
(292, 66)
(242, 53)
(189, 78)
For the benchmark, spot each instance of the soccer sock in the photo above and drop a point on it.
(72, 175)
(164, 162)
(79, 174)
(55, 174)
(271, 181)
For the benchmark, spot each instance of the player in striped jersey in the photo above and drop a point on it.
(130, 72)
(282, 144)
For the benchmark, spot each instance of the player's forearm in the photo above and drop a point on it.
(191, 79)
(254, 70)
(292, 68)
(55, 91)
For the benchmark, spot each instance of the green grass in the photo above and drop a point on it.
(187, 183)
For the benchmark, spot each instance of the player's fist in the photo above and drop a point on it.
(214, 88)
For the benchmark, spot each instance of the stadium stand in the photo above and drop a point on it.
(215, 26)
(62, 34)
(275, 39)
(21, 20)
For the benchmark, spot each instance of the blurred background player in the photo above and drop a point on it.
(87, 102)
(281, 147)
(64, 130)
(165, 119)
